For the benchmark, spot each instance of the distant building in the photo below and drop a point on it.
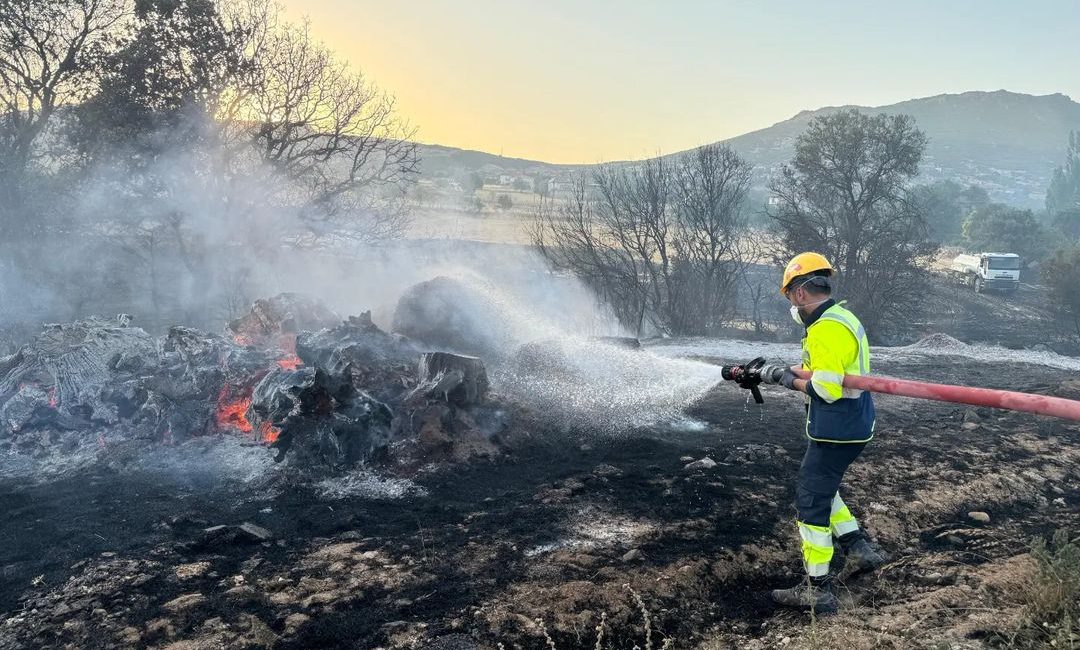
(559, 185)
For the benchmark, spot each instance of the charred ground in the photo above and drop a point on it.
(557, 529)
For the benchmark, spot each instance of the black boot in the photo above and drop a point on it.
(815, 595)
(860, 554)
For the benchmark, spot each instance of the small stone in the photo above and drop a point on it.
(979, 516)
(256, 532)
(704, 463)
(193, 570)
(969, 426)
(686, 459)
(971, 416)
(244, 595)
(633, 555)
(185, 603)
(1060, 501)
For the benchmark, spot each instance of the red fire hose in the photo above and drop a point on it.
(1002, 399)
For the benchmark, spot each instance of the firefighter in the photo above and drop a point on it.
(839, 423)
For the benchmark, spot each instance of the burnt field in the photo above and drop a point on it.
(569, 508)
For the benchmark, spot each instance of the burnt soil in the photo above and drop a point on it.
(564, 528)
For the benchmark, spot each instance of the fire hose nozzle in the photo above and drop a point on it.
(748, 376)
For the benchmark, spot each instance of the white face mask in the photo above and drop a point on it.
(795, 316)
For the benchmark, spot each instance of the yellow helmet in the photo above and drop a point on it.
(802, 264)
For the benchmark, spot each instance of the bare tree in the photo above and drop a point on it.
(573, 235)
(657, 241)
(48, 59)
(710, 190)
(767, 310)
(333, 138)
(844, 195)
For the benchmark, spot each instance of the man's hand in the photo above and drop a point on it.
(771, 374)
(787, 380)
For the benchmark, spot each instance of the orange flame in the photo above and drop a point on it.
(291, 362)
(287, 343)
(232, 413)
(269, 432)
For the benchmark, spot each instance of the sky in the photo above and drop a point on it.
(587, 81)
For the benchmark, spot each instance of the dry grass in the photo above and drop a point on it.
(1052, 597)
(602, 632)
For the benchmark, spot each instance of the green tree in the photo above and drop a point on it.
(973, 197)
(504, 202)
(1004, 229)
(1063, 195)
(163, 86)
(844, 195)
(1060, 273)
(945, 204)
(1067, 222)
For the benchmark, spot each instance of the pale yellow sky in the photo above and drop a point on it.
(600, 80)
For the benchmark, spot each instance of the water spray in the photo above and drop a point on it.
(750, 375)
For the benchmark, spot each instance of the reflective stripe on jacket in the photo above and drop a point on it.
(835, 346)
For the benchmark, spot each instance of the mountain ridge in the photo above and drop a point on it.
(1007, 142)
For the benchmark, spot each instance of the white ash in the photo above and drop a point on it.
(366, 484)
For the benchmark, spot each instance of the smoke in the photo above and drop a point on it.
(195, 233)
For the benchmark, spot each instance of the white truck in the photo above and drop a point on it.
(988, 271)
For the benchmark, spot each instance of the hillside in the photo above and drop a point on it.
(1007, 142)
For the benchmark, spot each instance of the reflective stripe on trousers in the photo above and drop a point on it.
(817, 541)
(841, 520)
(817, 549)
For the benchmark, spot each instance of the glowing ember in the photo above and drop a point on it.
(291, 362)
(232, 412)
(243, 339)
(269, 432)
(287, 343)
(52, 398)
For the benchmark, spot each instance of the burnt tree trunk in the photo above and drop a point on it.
(458, 379)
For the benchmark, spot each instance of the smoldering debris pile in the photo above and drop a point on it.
(97, 374)
(325, 400)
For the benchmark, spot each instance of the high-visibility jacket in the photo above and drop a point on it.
(835, 346)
